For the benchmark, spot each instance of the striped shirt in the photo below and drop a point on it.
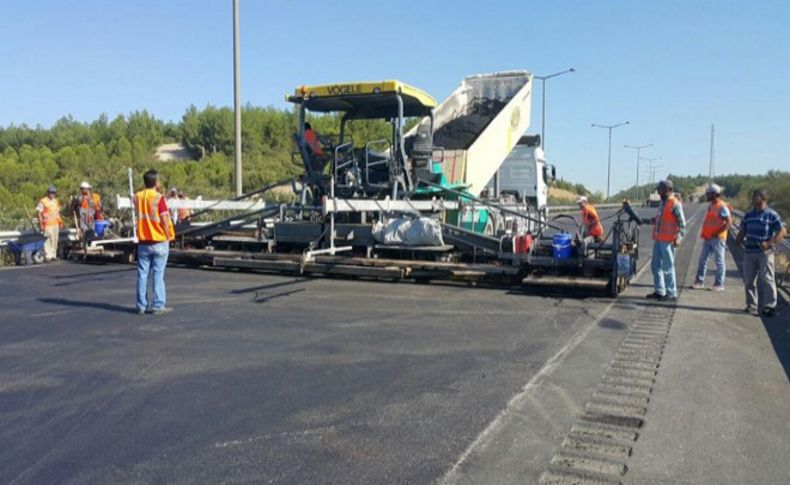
(759, 227)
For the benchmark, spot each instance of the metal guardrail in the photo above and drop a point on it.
(561, 208)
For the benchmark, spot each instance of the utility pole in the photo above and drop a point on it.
(543, 105)
(652, 168)
(236, 99)
(609, 165)
(711, 165)
(638, 149)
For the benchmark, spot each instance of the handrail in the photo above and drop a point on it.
(368, 164)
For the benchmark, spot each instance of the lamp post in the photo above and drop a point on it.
(638, 149)
(543, 105)
(236, 100)
(609, 166)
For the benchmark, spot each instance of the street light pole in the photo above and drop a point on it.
(652, 168)
(609, 166)
(638, 149)
(236, 99)
(543, 104)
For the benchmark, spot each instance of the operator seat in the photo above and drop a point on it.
(422, 155)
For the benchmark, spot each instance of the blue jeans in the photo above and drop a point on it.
(663, 267)
(151, 258)
(717, 247)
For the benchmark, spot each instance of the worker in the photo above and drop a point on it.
(669, 225)
(590, 219)
(172, 195)
(50, 222)
(314, 140)
(714, 235)
(154, 231)
(183, 213)
(87, 208)
(761, 230)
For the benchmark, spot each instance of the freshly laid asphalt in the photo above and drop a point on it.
(260, 378)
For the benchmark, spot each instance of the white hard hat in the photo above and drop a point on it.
(713, 189)
(581, 199)
(85, 185)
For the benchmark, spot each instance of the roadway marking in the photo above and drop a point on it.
(510, 408)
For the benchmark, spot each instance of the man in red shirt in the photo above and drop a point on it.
(590, 219)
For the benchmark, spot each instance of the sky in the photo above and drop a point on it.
(671, 68)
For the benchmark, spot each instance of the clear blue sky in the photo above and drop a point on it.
(670, 67)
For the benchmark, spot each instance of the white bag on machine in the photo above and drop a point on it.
(422, 231)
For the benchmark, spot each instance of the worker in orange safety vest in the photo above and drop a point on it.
(183, 213)
(714, 234)
(669, 226)
(590, 219)
(316, 144)
(87, 208)
(154, 232)
(50, 222)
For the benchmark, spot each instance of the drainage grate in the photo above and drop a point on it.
(597, 448)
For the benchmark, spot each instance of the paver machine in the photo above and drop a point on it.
(350, 183)
(355, 197)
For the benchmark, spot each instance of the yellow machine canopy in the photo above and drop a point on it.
(365, 100)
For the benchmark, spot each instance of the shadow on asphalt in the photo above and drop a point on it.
(778, 326)
(562, 292)
(88, 304)
(93, 273)
(268, 298)
(255, 289)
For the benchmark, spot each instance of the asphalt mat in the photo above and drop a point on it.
(259, 378)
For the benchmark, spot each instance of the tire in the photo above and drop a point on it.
(489, 229)
(500, 228)
(38, 257)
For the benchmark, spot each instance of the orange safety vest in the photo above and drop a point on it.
(591, 220)
(713, 221)
(92, 202)
(311, 138)
(51, 213)
(149, 222)
(667, 228)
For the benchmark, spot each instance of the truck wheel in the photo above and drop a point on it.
(489, 229)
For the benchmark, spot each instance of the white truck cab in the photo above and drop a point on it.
(524, 178)
(525, 174)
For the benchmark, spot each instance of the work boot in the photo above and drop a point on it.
(160, 311)
(751, 310)
(698, 285)
(655, 296)
(670, 299)
(718, 288)
(769, 311)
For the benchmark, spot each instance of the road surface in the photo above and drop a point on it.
(265, 378)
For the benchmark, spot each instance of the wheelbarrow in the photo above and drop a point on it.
(28, 249)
